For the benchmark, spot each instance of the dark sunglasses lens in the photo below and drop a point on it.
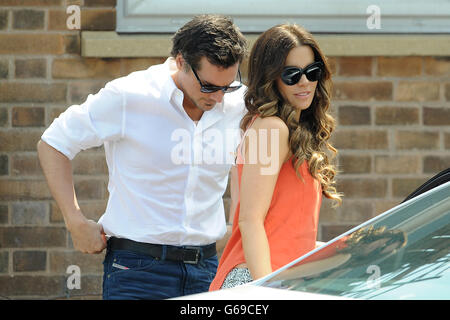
(291, 76)
(313, 74)
(232, 89)
(206, 89)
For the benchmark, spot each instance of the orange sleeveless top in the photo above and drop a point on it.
(291, 221)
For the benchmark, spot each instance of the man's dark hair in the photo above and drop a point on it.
(215, 37)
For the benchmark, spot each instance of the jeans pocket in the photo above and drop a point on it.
(126, 261)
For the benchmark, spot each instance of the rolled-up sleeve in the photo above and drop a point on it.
(100, 118)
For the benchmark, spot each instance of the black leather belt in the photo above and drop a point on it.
(187, 254)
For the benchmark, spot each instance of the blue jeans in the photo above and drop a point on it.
(129, 276)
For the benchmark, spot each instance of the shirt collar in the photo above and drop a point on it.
(169, 87)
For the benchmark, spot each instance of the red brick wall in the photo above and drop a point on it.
(393, 133)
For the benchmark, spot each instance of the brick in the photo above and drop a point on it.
(361, 139)
(3, 19)
(79, 91)
(4, 214)
(21, 190)
(355, 66)
(26, 165)
(98, 19)
(4, 261)
(4, 165)
(72, 44)
(354, 115)
(31, 68)
(91, 209)
(417, 91)
(381, 206)
(437, 66)
(396, 115)
(29, 261)
(29, 213)
(136, 64)
(32, 3)
(363, 91)
(89, 68)
(331, 231)
(328, 213)
(332, 64)
(75, 2)
(32, 285)
(32, 237)
(90, 288)
(436, 116)
(356, 211)
(32, 92)
(88, 263)
(28, 117)
(47, 43)
(4, 69)
(28, 19)
(99, 3)
(447, 140)
(397, 164)
(401, 188)
(90, 164)
(435, 164)
(4, 117)
(416, 140)
(447, 91)
(354, 164)
(17, 140)
(399, 66)
(89, 189)
(57, 20)
(54, 113)
(363, 188)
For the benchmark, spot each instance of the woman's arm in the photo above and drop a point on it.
(268, 144)
(234, 195)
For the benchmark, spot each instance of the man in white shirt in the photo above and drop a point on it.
(169, 134)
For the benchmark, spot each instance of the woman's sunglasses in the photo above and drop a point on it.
(211, 88)
(292, 75)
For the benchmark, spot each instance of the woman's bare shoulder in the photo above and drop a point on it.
(272, 122)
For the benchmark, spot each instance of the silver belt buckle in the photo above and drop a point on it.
(197, 255)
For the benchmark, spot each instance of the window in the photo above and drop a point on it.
(318, 16)
(400, 254)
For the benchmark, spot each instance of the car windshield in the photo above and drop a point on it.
(400, 254)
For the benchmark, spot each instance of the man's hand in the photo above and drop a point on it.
(87, 235)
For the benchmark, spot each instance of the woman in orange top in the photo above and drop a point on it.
(283, 168)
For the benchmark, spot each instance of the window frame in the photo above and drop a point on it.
(317, 16)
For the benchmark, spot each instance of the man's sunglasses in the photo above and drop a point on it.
(211, 89)
(292, 75)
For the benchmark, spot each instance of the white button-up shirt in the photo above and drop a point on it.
(167, 175)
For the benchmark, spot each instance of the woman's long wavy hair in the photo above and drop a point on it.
(308, 137)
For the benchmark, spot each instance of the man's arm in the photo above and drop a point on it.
(87, 235)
